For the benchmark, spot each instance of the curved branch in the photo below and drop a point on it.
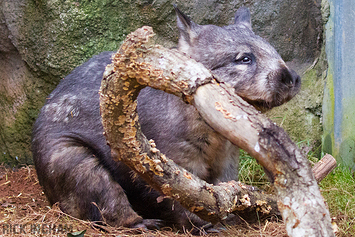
(136, 65)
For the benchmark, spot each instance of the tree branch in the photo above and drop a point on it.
(136, 65)
(323, 167)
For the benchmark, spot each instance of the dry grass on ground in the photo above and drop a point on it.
(24, 211)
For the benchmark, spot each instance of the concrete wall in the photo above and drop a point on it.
(339, 93)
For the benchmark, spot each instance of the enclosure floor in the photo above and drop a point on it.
(22, 201)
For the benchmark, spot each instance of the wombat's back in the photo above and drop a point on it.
(71, 113)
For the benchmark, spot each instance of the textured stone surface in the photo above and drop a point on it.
(41, 41)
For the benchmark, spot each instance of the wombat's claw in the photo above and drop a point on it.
(215, 230)
(208, 229)
(149, 224)
(218, 228)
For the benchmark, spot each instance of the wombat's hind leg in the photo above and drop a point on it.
(89, 192)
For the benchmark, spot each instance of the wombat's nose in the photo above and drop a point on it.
(296, 79)
(290, 77)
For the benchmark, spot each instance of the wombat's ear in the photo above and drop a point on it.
(186, 26)
(243, 16)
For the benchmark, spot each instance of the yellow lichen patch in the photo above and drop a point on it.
(156, 73)
(195, 209)
(187, 175)
(182, 84)
(123, 77)
(245, 200)
(166, 189)
(152, 143)
(262, 207)
(140, 168)
(225, 112)
(128, 132)
(163, 158)
(133, 56)
(126, 84)
(210, 189)
(260, 202)
(297, 223)
(159, 169)
(153, 165)
(131, 74)
(120, 66)
(156, 161)
(245, 203)
(121, 120)
(154, 150)
(143, 73)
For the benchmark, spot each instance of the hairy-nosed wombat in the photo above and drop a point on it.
(72, 158)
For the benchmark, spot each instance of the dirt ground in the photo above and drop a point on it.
(25, 211)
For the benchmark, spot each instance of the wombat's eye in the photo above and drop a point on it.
(244, 59)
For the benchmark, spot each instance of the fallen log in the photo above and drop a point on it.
(136, 65)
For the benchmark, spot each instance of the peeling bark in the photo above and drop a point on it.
(136, 65)
(299, 199)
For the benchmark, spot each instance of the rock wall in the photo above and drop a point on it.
(41, 41)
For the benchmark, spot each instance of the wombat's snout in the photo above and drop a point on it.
(296, 79)
(292, 84)
(290, 78)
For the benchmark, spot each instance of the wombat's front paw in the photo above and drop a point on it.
(150, 224)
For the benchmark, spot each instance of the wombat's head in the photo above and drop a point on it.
(239, 57)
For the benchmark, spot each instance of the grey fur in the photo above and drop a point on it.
(74, 163)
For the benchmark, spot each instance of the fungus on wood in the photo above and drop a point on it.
(138, 64)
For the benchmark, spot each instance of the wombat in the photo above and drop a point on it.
(74, 163)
